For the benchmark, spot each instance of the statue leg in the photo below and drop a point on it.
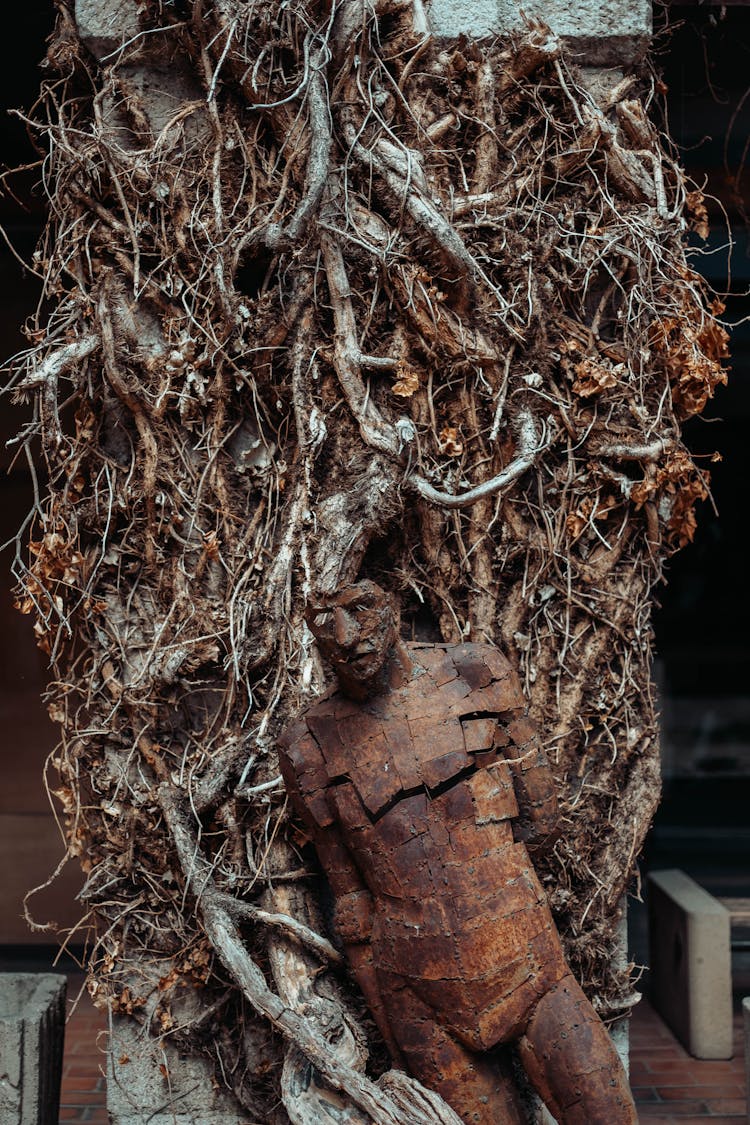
(571, 1060)
(479, 1087)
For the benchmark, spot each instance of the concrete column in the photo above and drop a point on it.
(148, 1080)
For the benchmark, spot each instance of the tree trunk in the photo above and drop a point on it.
(332, 298)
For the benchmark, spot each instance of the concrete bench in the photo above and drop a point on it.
(32, 1035)
(691, 961)
(739, 910)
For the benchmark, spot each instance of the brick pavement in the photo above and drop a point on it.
(83, 1094)
(670, 1087)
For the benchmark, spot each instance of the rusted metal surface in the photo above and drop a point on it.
(426, 796)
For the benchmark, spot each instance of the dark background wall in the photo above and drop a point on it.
(30, 843)
(703, 625)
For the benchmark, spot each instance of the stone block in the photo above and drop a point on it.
(148, 1080)
(162, 86)
(691, 963)
(32, 1035)
(598, 32)
(104, 25)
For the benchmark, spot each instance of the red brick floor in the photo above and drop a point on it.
(83, 1096)
(670, 1087)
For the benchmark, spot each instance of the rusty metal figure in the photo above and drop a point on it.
(425, 791)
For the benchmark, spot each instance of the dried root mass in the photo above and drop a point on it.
(331, 298)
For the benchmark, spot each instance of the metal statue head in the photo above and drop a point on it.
(356, 629)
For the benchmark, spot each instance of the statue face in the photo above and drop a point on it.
(355, 629)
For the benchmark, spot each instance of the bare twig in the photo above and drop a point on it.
(376, 432)
(318, 945)
(60, 361)
(648, 451)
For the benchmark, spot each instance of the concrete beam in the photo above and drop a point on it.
(597, 32)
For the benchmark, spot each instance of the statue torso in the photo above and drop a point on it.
(416, 781)
(416, 770)
(448, 718)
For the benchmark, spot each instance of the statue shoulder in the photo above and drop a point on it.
(297, 749)
(305, 773)
(295, 741)
(491, 680)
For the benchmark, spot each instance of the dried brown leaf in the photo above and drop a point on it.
(407, 383)
(449, 442)
(594, 376)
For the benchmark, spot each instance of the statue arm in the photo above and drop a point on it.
(537, 825)
(308, 787)
(353, 910)
(353, 918)
(354, 906)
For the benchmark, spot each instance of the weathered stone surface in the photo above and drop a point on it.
(147, 1080)
(32, 1032)
(689, 935)
(620, 1029)
(170, 100)
(11, 1057)
(600, 81)
(106, 24)
(599, 32)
